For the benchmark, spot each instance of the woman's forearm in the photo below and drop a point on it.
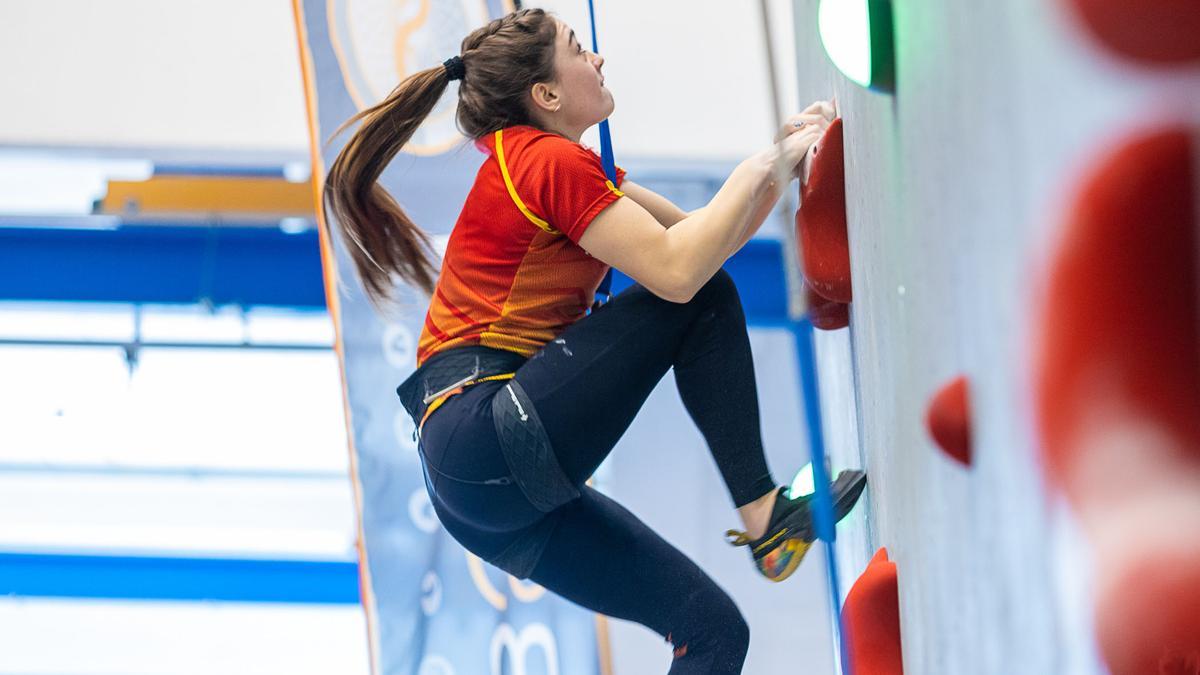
(761, 212)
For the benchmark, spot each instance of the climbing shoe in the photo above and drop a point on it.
(791, 531)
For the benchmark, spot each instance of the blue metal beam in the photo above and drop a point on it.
(180, 579)
(757, 270)
(222, 265)
(247, 265)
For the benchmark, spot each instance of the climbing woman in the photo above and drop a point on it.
(522, 387)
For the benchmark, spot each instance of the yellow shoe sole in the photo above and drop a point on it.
(780, 563)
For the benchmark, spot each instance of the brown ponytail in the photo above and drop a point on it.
(502, 61)
(382, 239)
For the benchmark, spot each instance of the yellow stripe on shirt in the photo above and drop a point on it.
(512, 191)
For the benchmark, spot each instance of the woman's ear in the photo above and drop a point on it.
(545, 97)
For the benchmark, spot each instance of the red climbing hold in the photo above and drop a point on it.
(825, 314)
(821, 220)
(1117, 395)
(1148, 31)
(871, 616)
(1120, 328)
(949, 420)
(1146, 612)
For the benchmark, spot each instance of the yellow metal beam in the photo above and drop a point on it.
(209, 195)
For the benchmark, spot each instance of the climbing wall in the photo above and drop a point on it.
(957, 187)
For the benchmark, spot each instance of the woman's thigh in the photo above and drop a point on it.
(589, 384)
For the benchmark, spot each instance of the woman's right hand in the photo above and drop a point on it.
(820, 113)
(787, 156)
(798, 134)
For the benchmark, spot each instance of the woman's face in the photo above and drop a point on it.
(584, 99)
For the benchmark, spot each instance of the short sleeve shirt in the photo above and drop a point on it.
(514, 276)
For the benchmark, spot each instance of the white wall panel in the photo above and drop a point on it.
(84, 637)
(212, 74)
(221, 76)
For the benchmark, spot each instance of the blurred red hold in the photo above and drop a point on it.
(821, 220)
(949, 420)
(825, 314)
(871, 616)
(1121, 323)
(1146, 618)
(1118, 396)
(1148, 31)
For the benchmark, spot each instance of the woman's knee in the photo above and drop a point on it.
(738, 634)
(713, 628)
(719, 289)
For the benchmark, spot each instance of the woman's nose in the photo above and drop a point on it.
(597, 60)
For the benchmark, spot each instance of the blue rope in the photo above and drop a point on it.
(606, 158)
(822, 501)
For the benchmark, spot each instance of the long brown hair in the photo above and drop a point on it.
(502, 61)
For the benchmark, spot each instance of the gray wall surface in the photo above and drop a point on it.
(955, 185)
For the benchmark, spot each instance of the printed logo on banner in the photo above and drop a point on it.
(405, 430)
(525, 591)
(399, 346)
(420, 510)
(506, 640)
(435, 665)
(378, 43)
(431, 593)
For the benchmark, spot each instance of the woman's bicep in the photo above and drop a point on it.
(626, 236)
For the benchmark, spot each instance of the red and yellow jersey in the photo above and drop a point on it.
(513, 275)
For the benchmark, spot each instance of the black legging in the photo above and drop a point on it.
(587, 387)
